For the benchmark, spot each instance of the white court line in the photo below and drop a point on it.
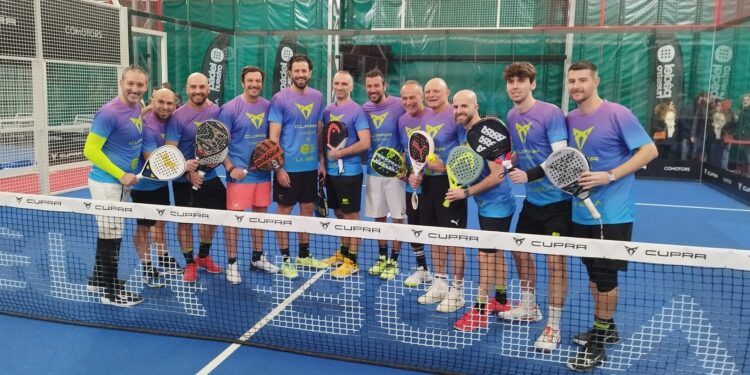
(261, 323)
(680, 206)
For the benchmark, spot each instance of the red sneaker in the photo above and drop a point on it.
(495, 307)
(472, 320)
(208, 264)
(191, 273)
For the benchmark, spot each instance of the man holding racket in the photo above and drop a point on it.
(113, 146)
(246, 119)
(494, 198)
(616, 145)
(180, 132)
(536, 129)
(382, 194)
(295, 119)
(345, 188)
(412, 100)
(154, 192)
(440, 124)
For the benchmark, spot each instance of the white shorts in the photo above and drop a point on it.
(109, 227)
(384, 195)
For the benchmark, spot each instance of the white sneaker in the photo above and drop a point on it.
(264, 265)
(523, 312)
(435, 293)
(453, 301)
(233, 274)
(418, 277)
(548, 340)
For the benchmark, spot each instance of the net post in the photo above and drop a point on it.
(39, 88)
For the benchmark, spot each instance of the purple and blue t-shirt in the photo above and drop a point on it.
(354, 118)
(383, 118)
(183, 125)
(248, 125)
(298, 114)
(122, 127)
(153, 138)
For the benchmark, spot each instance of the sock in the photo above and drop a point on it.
(188, 254)
(232, 260)
(458, 284)
(419, 254)
(553, 319)
(441, 276)
(204, 249)
(601, 326)
(481, 304)
(284, 254)
(394, 255)
(528, 299)
(383, 250)
(349, 254)
(257, 255)
(501, 296)
(304, 250)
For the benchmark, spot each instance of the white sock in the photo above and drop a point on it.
(553, 319)
(528, 299)
(458, 284)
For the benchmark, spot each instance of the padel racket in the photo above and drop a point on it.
(387, 162)
(211, 145)
(491, 139)
(563, 168)
(420, 147)
(321, 203)
(463, 167)
(164, 164)
(336, 136)
(267, 156)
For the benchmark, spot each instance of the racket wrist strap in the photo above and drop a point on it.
(535, 173)
(229, 171)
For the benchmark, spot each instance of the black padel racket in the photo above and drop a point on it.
(321, 203)
(463, 168)
(491, 139)
(387, 162)
(336, 135)
(267, 156)
(164, 164)
(211, 145)
(421, 146)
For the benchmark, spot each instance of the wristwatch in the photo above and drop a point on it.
(611, 175)
(466, 193)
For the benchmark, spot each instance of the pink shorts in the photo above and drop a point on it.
(241, 197)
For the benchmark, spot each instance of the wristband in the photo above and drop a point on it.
(229, 172)
(535, 173)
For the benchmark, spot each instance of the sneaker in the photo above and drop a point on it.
(418, 277)
(587, 358)
(611, 336)
(495, 307)
(311, 262)
(264, 265)
(208, 264)
(521, 313)
(336, 260)
(151, 278)
(191, 273)
(548, 340)
(97, 285)
(390, 271)
(348, 268)
(472, 320)
(379, 267)
(289, 270)
(170, 266)
(121, 298)
(233, 274)
(435, 293)
(453, 301)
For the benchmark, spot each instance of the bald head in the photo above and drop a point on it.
(197, 89)
(466, 108)
(163, 102)
(436, 94)
(412, 97)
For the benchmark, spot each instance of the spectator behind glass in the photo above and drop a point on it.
(662, 131)
(684, 125)
(742, 132)
(704, 109)
(722, 123)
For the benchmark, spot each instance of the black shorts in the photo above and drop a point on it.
(158, 196)
(554, 219)
(431, 210)
(412, 215)
(304, 189)
(495, 224)
(212, 194)
(616, 232)
(344, 193)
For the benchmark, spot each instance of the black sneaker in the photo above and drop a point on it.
(151, 278)
(122, 298)
(610, 337)
(170, 266)
(97, 285)
(587, 358)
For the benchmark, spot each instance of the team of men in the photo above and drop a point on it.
(607, 133)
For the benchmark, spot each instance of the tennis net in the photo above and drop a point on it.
(682, 308)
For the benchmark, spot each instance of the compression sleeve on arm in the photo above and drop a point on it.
(93, 151)
(558, 145)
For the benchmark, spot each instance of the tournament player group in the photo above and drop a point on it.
(124, 133)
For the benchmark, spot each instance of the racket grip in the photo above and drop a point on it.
(341, 166)
(431, 158)
(414, 200)
(201, 173)
(446, 203)
(592, 209)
